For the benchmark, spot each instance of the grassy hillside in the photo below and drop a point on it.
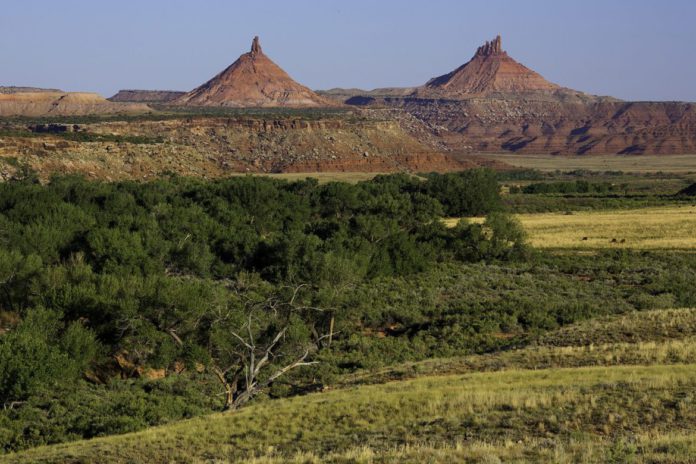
(631, 400)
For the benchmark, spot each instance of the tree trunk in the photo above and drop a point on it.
(331, 329)
(229, 392)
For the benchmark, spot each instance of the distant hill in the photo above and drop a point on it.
(13, 89)
(341, 95)
(57, 103)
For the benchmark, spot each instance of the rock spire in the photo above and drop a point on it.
(494, 47)
(254, 80)
(256, 46)
(490, 70)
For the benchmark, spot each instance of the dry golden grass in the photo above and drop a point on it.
(555, 415)
(672, 227)
(626, 163)
(649, 228)
(654, 447)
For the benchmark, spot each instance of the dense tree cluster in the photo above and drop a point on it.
(569, 187)
(241, 276)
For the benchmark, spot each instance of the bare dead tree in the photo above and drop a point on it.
(250, 352)
(246, 373)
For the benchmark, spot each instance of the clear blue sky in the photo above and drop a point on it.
(631, 49)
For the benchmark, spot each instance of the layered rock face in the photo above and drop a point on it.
(146, 96)
(558, 127)
(254, 80)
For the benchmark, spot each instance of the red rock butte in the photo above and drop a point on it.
(491, 70)
(254, 80)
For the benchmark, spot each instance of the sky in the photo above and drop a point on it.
(630, 49)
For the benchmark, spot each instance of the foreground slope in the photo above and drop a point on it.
(618, 390)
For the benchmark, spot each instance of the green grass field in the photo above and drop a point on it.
(632, 400)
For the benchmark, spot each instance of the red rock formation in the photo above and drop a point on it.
(555, 126)
(490, 70)
(254, 80)
(493, 104)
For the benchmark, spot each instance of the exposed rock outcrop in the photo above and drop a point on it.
(254, 80)
(555, 126)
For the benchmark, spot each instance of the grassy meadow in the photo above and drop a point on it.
(629, 401)
(663, 228)
(627, 163)
(647, 228)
